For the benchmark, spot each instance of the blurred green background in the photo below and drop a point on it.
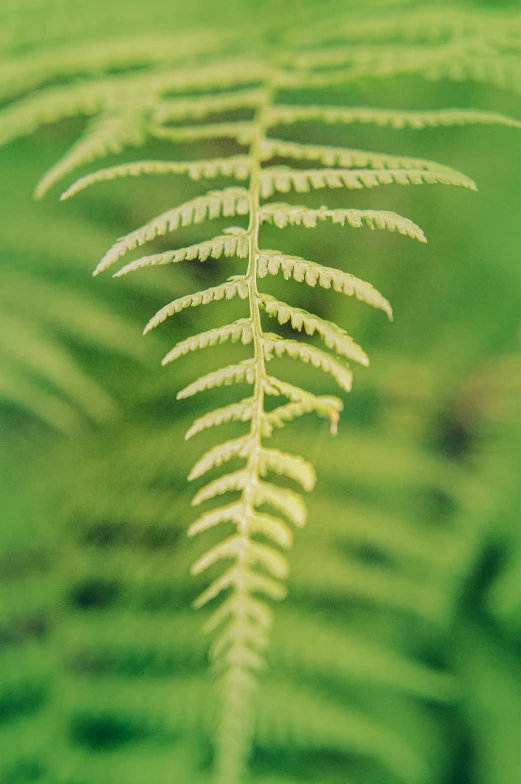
(397, 657)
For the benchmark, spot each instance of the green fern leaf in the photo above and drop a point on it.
(323, 405)
(252, 608)
(236, 166)
(279, 347)
(272, 528)
(240, 330)
(290, 411)
(224, 484)
(345, 157)
(255, 583)
(255, 555)
(233, 374)
(335, 338)
(227, 203)
(283, 214)
(284, 115)
(223, 514)
(266, 525)
(312, 273)
(51, 105)
(215, 294)
(239, 447)
(282, 180)
(236, 412)
(242, 132)
(235, 243)
(203, 105)
(108, 135)
(287, 502)
(21, 74)
(92, 97)
(284, 464)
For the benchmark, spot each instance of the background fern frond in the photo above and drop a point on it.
(396, 119)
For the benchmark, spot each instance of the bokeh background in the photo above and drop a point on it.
(397, 657)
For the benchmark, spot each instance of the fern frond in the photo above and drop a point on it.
(238, 447)
(279, 347)
(429, 24)
(29, 354)
(235, 412)
(242, 132)
(256, 555)
(284, 464)
(232, 374)
(271, 527)
(240, 330)
(323, 405)
(236, 166)
(288, 412)
(227, 291)
(312, 273)
(224, 484)
(108, 135)
(282, 179)
(203, 105)
(335, 338)
(82, 59)
(295, 215)
(218, 75)
(284, 115)
(226, 203)
(223, 514)
(252, 581)
(235, 243)
(345, 157)
(24, 73)
(51, 105)
(503, 70)
(287, 502)
(90, 97)
(252, 608)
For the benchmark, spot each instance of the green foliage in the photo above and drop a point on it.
(134, 94)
